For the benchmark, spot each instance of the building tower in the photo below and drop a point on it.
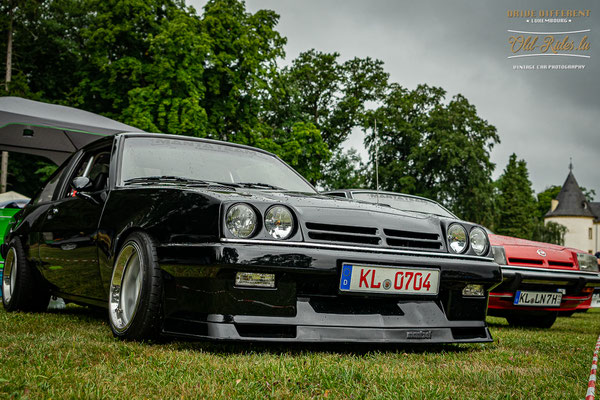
(581, 217)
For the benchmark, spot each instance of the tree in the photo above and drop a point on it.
(434, 149)
(517, 207)
(345, 170)
(317, 88)
(550, 232)
(241, 63)
(544, 200)
(157, 65)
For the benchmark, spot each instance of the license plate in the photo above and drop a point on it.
(595, 300)
(537, 299)
(389, 280)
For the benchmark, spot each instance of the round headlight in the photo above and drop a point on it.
(479, 241)
(279, 222)
(241, 221)
(457, 238)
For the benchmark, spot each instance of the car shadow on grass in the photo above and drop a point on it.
(292, 348)
(87, 314)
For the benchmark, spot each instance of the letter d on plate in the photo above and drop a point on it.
(346, 275)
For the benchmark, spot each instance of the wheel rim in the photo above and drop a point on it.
(9, 279)
(126, 286)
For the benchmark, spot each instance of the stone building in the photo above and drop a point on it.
(581, 217)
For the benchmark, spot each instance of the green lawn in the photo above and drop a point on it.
(72, 354)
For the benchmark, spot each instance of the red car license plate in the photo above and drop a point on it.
(389, 280)
(537, 299)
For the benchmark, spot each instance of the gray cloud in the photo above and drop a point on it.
(544, 117)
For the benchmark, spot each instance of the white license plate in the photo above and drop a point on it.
(537, 299)
(389, 280)
(595, 300)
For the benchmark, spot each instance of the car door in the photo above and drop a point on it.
(67, 246)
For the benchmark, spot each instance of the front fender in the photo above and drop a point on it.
(169, 215)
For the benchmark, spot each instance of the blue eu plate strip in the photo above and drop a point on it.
(517, 296)
(346, 275)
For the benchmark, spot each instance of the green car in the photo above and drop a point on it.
(8, 209)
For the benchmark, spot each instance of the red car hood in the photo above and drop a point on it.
(528, 253)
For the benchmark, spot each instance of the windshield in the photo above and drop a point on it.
(404, 203)
(202, 161)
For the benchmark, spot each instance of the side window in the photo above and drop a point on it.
(94, 166)
(337, 194)
(48, 190)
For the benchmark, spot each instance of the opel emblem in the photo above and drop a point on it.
(541, 252)
(387, 284)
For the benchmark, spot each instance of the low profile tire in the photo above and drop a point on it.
(23, 288)
(135, 297)
(538, 320)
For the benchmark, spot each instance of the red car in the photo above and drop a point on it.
(540, 280)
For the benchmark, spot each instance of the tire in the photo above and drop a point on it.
(136, 290)
(543, 320)
(567, 313)
(23, 288)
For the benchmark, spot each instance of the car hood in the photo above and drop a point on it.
(311, 200)
(328, 219)
(530, 253)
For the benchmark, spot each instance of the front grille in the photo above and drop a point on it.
(560, 264)
(525, 261)
(343, 233)
(374, 236)
(415, 240)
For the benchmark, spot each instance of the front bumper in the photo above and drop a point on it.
(202, 301)
(577, 287)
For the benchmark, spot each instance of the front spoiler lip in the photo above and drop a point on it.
(311, 326)
(324, 334)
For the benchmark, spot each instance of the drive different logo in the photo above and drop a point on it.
(546, 36)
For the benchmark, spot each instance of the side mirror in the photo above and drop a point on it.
(81, 183)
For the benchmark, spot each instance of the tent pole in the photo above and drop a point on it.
(4, 172)
(4, 163)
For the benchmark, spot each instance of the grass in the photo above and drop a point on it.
(72, 354)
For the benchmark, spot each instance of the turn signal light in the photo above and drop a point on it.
(255, 279)
(473, 291)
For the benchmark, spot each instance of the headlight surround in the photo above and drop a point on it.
(478, 240)
(279, 222)
(241, 220)
(499, 255)
(457, 238)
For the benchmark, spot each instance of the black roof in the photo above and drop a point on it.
(595, 207)
(571, 201)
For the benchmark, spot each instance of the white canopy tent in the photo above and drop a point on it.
(50, 130)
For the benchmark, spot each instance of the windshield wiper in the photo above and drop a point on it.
(259, 185)
(164, 178)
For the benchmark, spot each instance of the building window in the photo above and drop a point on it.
(590, 233)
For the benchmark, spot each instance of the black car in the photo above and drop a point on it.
(205, 239)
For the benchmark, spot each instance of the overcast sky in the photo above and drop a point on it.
(544, 117)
